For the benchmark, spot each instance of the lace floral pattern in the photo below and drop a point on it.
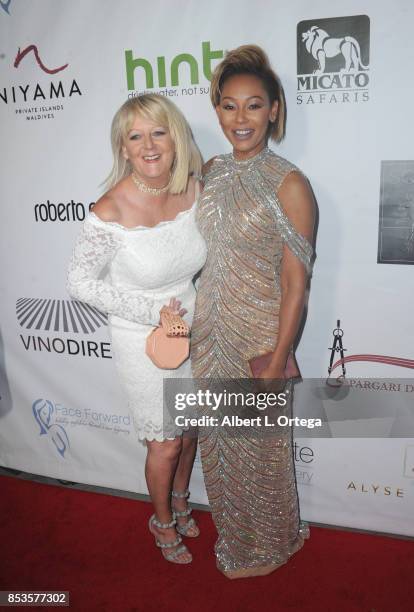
(146, 267)
(95, 248)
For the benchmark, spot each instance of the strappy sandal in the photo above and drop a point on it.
(190, 524)
(169, 556)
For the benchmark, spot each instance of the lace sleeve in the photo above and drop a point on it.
(94, 249)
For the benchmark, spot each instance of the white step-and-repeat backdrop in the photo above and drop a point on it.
(346, 68)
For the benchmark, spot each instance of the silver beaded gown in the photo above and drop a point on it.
(250, 481)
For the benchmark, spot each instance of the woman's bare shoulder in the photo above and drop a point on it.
(297, 200)
(107, 207)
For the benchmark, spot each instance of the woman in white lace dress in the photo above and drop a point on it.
(142, 234)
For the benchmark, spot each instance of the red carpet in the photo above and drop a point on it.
(98, 548)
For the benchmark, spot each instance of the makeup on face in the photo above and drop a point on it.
(244, 113)
(150, 150)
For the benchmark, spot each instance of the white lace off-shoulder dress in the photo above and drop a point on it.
(145, 268)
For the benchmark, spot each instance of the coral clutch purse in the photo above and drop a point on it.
(259, 363)
(168, 345)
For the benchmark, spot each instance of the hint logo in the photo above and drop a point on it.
(161, 75)
(333, 60)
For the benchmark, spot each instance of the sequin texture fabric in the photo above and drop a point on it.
(250, 481)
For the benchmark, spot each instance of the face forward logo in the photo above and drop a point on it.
(333, 60)
(5, 4)
(44, 413)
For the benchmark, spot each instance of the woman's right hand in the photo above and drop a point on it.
(174, 307)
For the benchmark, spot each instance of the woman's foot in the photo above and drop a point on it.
(250, 572)
(186, 525)
(170, 542)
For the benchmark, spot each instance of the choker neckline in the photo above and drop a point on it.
(250, 160)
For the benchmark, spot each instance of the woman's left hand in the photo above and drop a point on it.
(275, 373)
(274, 378)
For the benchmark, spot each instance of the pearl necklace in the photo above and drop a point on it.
(147, 189)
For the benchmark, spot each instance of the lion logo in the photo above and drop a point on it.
(321, 46)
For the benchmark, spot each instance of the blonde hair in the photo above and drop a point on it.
(160, 110)
(251, 59)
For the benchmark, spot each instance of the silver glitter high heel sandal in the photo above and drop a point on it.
(173, 555)
(190, 524)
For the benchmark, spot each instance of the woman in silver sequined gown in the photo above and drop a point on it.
(256, 214)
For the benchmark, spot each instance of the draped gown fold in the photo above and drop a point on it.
(250, 481)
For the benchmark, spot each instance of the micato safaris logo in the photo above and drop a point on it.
(333, 60)
(180, 75)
